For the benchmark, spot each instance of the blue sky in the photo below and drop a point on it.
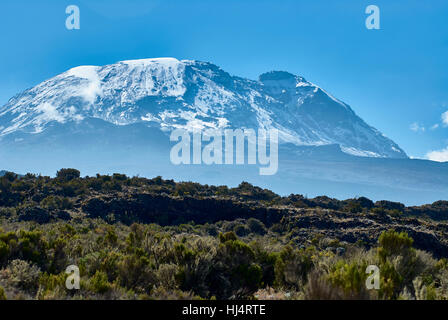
(395, 78)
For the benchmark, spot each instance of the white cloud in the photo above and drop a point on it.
(434, 127)
(49, 113)
(445, 118)
(438, 155)
(416, 127)
(92, 87)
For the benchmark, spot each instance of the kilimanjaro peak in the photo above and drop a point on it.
(168, 93)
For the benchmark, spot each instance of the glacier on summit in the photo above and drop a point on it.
(168, 93)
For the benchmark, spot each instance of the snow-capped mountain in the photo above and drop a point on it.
(167, 93)
(117, 118)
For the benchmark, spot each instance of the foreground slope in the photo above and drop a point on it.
(137, 238)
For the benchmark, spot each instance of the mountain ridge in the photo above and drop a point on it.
(170, 93)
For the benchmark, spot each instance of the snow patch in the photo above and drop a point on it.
(360, 153)
(92, 87)
(146, 62)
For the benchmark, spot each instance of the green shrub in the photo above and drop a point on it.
(4, 251)
(134, 272)
(2, 293)
(167, 276)
(353, 207)
(111, 236)
(390, 281)
(228, 236)
(68, 174)
(251, 275)
(56, 203)
(292, 267)
(393, 243)
(112, 186)
(99, 283)
(119, 177)
(241, 230)
(51, 286)
(351, 278)
(234, 272)
(399, 263)
(256, 226)
(23, 275)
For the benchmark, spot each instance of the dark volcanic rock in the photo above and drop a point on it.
(36, 214)
(167, 210)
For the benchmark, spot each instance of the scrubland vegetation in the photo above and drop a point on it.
(138, 238)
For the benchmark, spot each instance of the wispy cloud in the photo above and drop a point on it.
(445, 118)
(416, 127)
(434, 127)
(438, 155)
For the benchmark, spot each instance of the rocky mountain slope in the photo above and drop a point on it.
(168, 93)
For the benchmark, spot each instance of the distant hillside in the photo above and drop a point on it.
(3, 172)
(119, 198)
